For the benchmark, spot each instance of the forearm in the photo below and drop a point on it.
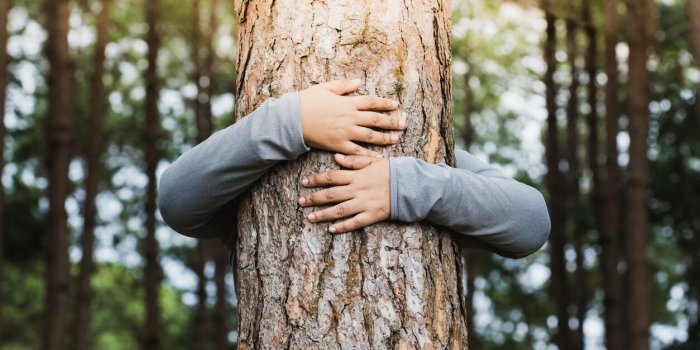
(481, 203)
(199, 184)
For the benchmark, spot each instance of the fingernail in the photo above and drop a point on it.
(356, 81)
(394, 104)
(311, 217)
(402, 124)
(302, 200)
(332, 229)
(394, 138)
(340, 156)
(305, 181)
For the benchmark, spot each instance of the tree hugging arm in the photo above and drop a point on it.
(199, 190)
(201, 182)
(476, 200)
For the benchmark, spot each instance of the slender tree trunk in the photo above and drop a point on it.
(93, 152)
(152, 273)
(639, 20)
(391, 285)
(203, 132)
(573, 175)
(468, 257)
(694, 21)
(593, 153)
(555, 184)
(4, 72)
(59, 133)
(609, 238)
(221, 313)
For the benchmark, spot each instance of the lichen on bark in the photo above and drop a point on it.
(391, 285)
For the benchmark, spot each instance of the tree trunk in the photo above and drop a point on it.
(221, 310)
(391, 285)
(203, 132)
(152, 274)
(694, 22)
(593, 153)
(574, 174)
(639, 21)
(93, 151)
(468, 257)
(59, 133)
(4, 67)
(555, 184)
(609, 239)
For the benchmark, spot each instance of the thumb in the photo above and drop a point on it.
(354, 162)
(342, 87)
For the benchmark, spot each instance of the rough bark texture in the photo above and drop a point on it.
(639, 21)
(609, 239)
(93, 151)
(59, 128)
(152, 273)
(555, 185)
(391, 285)
(4, 63)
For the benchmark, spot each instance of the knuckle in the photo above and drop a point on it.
(309, 199)
(357, 150)
(354, 223)
(339, 210)
(329, 177)
(329, 194)
(370, 135)
(375, 119)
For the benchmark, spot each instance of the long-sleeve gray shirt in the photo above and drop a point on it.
(486, 208)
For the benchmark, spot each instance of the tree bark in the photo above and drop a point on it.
(4, 72)
(555, 184)
(392, 285)
(59, 134)
(93, 151)
(639, 21)
(152, 273)
(609, 239)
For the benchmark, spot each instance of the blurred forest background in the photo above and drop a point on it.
(594, 102)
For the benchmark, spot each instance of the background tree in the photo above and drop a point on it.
(152, 274)
(4, 68)
(639, 36)
(93, 151)
(59, 130)
(322, 293)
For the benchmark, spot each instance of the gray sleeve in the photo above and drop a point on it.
(476, 200)
(196, 189)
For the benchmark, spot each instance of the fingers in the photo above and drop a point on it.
(336, 177)
(379, 120)
(357, 222)
(338, 211)
(374, 137)
(342, 87)
(354, 162)
(374, 103)
(350, 147)
(329, 195)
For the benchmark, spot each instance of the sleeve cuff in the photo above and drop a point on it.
(290, 104)
(393, 188)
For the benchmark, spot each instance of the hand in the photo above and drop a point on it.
(363, 192)
(332, 122)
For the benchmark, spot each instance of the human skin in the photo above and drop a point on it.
(362, 192)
